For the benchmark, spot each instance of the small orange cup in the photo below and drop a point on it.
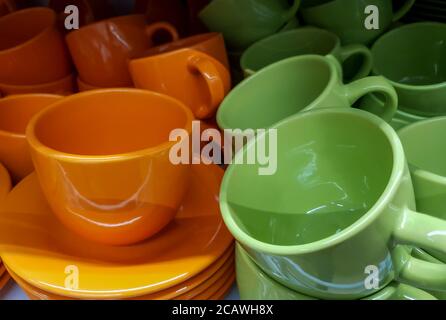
(32, 50)
(64, 87)
(101, 50)
(6, 7)
(15, 113)
(193, 70)
(102, 158)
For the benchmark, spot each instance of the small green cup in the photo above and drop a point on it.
(339, 203)
(300, 42)
(413, 59)
(244, 22)
(347, 18)
(254, 284)
(297, 84)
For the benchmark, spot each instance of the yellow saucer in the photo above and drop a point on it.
(39, 249)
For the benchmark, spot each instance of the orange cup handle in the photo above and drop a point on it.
(209, 72)
(152, 29)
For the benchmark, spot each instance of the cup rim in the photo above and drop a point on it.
(40, 147)
(392, 33)
(310, 57)
(6, 99)
(398, 170)
(37, 36)
(419, 172)
(253, 47)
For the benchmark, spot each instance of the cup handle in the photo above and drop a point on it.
(358, 49)
(403, 10)
(419, 273)
(207, 68)
(405, 292)
(153, 28)
(362, 87)
(292, 11)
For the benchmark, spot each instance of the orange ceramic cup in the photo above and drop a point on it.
(15, 113)
(193, 70)
(101, 50)
(32, 50)
(64, 87)
(102, 158)
(7, 6)
(83, 86)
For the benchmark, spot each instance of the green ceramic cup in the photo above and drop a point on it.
(300, 42)
(340, 202)
(401, 119)
(254, 284)
(297, 84)
(426, 154)
(413, 59)
(347, 18)
(244, 22)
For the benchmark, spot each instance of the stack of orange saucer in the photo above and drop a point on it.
(5, 187)
(192, 258)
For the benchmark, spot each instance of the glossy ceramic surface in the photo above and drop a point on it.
(101, 50)
(244, 22)
(100, 156)
(346, 17)
(64, 87)
(6, 7)
(334, 211)
(32, 50)
(15, 114)
(83, 86)
(28, 229)
(301, 83)
(254, 284)
(419, 75)
(300, 42)
(5, 185)
(4, 280)
(196, 78)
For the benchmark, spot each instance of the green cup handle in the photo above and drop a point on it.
(405, 292)
(376, 84)
(403, 10)
(291, 13)
(360, 50)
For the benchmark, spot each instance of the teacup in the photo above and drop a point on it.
(101, 50)
(64, 87)
(254, 284)
(334, 212)
(244, 22)
(15, 113)
(300, 83)
(193, 70)
(32, 50)
(102, 158)
(347, 18)
(415, 64)
(300, 42)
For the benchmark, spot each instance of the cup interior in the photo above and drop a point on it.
(16, 112)
(423, 145)
(288, 44)
(327, 178)
(24, 25)
(302, 81)
(414, 54)
(110, 122)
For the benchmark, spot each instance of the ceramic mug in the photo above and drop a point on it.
(100, 50)
(300, 83)
(343, 200)
(102, 158)
(347, 18)
(244, 22)
(193, 70)
(32, 50)
(300, 42)
(254, 284)
(64, 87)
(418, 75)
(15, 113)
